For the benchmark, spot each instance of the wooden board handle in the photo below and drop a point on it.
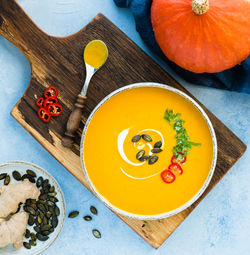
(18, 28)
(74, 122)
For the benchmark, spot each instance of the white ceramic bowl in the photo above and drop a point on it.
(21, 167)
(187, 204)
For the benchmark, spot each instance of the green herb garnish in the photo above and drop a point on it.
(183, 144)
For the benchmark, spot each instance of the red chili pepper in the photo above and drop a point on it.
(44, 115)
(175, 160)
(175, 168)
(51, 92)
(55, 109)
(40, 101)
(49, 100)
(167, 176)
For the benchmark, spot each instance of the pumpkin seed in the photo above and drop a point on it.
(31, 173)
(73, 214)
(52, 189)
(39, 182)
(93, 210)
(143, 158)
(31, 220)
(51, 230)
(45, 221)
(49, 203)
(136, 138)
(57, 211)
(140, 154)
(51, 209)
(16, 175)
(33, 236)
(7, 180)
(33, 206)
(2, 176)
(45, 183)
(41, 208)
(53, 199)
(42, 237)
(54, 222)
(32, 243)
(31, 210)
(27, 233)
(152, 160)
(147, 138)
(39, 219)
(48, 214)
(96, 233)
(27, 245)
(37, 229)
(43, 197)
(25, 176)
(158, 144)
(32, 180)
(46, 189)
(45, 233)
(87, 218)
(53, 194)
(45, 227)
(156, 150)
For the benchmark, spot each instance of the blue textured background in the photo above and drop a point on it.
(219, 225)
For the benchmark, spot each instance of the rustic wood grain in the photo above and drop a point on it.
(58, 62)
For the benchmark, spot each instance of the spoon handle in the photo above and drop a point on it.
(74, 122)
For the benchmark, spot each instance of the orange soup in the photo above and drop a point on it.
(110, 159)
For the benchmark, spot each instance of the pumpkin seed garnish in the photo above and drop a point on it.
(54, 222)
(27, 233)
(2, 176)
(73, 214)
(16, 175)
(144, 158)
(87, 218)
(27, 245)
(96, 233)
(136, 138)
(152, 160)
(39, 182)
(31, 173)
(93, 210)
(158, 144)
(32, 243)
(7, 180)
(156, 150)
(140, 154)
(33, 236)
(147, 138)
(31, 220)
(42, 237)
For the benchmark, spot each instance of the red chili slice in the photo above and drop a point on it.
(49, 100)
(51, 92)
(175, 160)
(175, 168)
(167, 176)
(44, 115)
(40, 101)
(55, 109)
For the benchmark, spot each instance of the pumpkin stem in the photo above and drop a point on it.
(200, 6)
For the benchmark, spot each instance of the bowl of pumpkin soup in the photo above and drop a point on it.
(148, 151)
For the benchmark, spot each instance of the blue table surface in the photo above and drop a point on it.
(219, 225)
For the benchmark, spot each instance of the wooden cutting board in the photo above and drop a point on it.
(58, 61)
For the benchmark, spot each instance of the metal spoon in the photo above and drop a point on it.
(75, 116)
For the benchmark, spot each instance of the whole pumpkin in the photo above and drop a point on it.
(203, 35)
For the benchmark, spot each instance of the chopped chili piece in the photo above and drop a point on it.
(40, 101)
(55, 109)
(175, 160)
(175, 168)
(44, 115)
(49, 100)
(51, 92)
(167, 176)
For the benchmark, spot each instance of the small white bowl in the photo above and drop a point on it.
(21, 167)
(192, 200)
